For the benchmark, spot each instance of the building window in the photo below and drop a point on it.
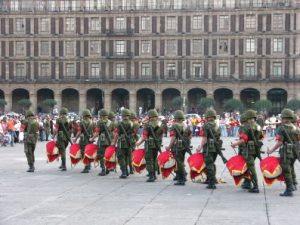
(20, 25)
(45, 70)
(20, 70)
(223, 46)
(197, 46)
(70, 24)
(145, 23)
(197, 23)
(89, 4)
(44, 49)
(171, 68)
(250, 45)
(277, 69)
(146, 46)
(250, 22)
(145, 68)
(171, 47)
(51, 5)
(223, 70)
(95, 70)
(171, 23)
(70, 48)
(95, 24)
(197, 70)
(20, 48)
(120, 47)
(14, 5)
(95, 47)
(120, 71)
(277, 21)
(120, 23)
(45, 25)
(70, 70)
(277, 45)
(224, 23)
(250, 69)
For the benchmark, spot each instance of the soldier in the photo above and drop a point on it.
(285, 142)
(296, 155)
(84, 132)
(62, 130)
(104, 131)
(251, 136)
(152, 136)
(112, 117)
(134, 137)
(210, 138)
(31, 129)
(122, 134)
(179, 144)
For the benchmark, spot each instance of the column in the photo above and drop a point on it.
(33, 99)
(107, 100)
(82, 102)
(263, 95)
(158, 101)
(8, 99)
(58, 99)
(132, 101)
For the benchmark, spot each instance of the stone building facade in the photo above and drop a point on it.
(143, 53)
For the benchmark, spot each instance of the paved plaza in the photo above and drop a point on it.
(52, 197)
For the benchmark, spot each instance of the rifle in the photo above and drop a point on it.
(157, 145)
(125, 134)
(257, 146)
(85, 131)
(218, 145)
(295, 146)
(66, 133)
(106, 132)
(186, 146)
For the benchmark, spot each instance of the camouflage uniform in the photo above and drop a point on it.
(134, 138)
(30, 138)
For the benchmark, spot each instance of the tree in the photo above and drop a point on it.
(2, 104)
(263, 106)
(177, 102)
(49, 104)
(205, 103)
(293, 104)
(24, 103)
(233, 105)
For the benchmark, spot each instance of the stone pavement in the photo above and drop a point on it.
(49, 197)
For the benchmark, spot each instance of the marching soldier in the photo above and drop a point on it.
(297, 153)
(210, 140)
(84, 133)
(179, 144)
(31, 129)
(104, 131)
(123, 134)
(251, 136)
(62, 131)
(152, 136)
(134, 137)
(285, 134)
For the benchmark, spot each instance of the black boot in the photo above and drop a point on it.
(254, 189)
(176, 177)
(287, 193)
(123, 175)
(180, 180)
(63, 165)
(130, 169)
(106, 171)
(211, 184)
(89, 167)
(126, 171)
(86, 169)
(154, 174)
(102, 173)
(151, 177)
(246, 184)
(31, 168)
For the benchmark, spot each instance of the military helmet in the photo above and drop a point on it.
(63, 111)
(86, 113)
(126, 112)
(210, 113)
(111, 115)
(250, 114)
(178, 114)
(29, 113)
(152, 113)
(103, 112)
(133, 115)
(295, 118)
(287, 113)
(243, 118)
